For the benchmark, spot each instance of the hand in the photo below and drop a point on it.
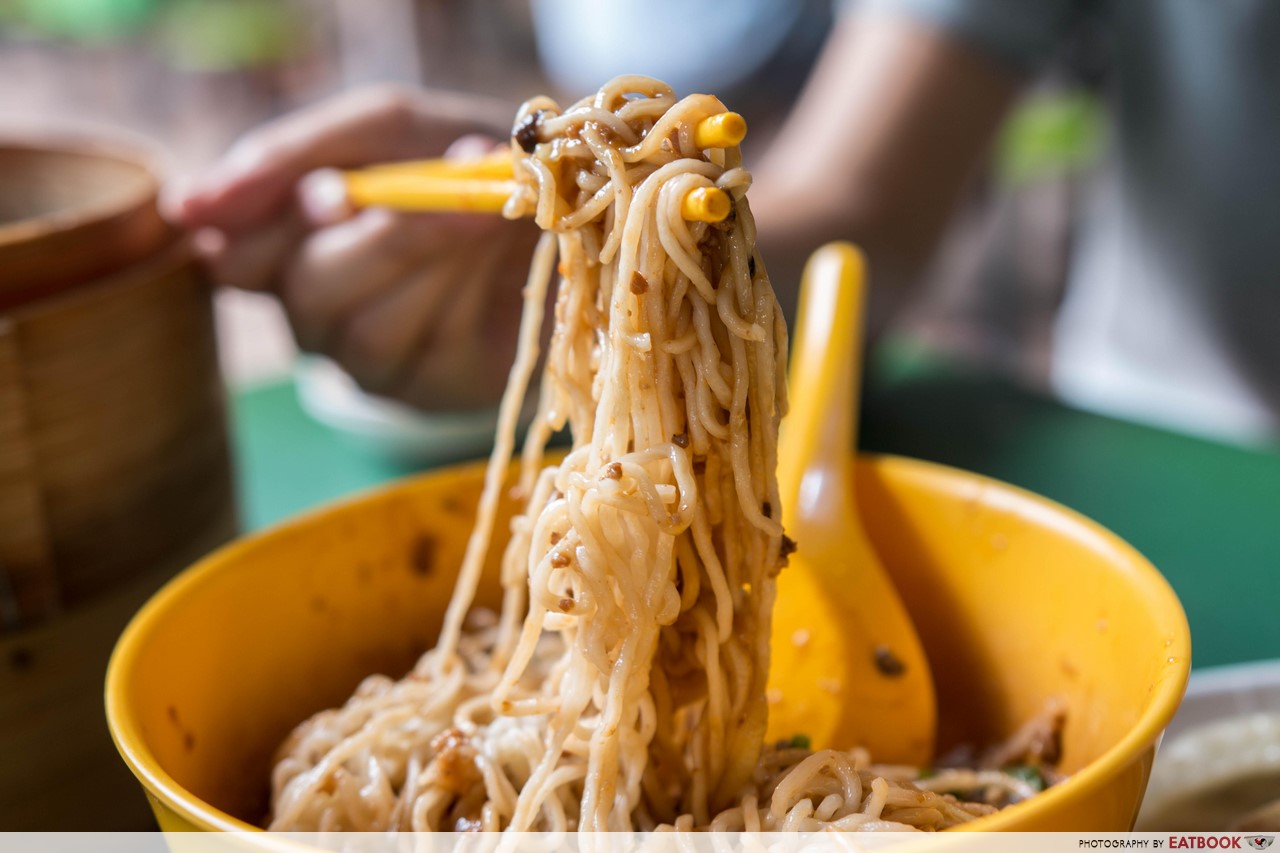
(421, 307)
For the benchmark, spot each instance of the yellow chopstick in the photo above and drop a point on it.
(426, 193)
(496, 165)
(483, 185)
(722, 130)
(706, 204)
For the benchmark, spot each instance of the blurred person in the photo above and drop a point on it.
(1172, 301)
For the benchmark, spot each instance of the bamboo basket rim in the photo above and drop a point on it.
(142, 157)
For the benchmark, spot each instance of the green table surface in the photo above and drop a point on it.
(1207, 514)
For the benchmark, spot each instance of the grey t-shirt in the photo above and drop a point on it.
(1173, 309)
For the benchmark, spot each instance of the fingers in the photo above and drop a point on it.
(254, 260)
(464, 360)
(421, 308)
(413, 305)
(377, 342)
(258, 175)
(253, 210)
(346, 266)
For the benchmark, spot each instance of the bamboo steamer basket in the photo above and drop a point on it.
(114, 462)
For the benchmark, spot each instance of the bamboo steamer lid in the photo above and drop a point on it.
(114, 458)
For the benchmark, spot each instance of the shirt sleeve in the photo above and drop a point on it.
(1018, 33)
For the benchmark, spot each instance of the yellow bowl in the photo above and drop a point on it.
(1016, 598)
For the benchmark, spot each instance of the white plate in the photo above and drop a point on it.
(1227, 691)
(386, 428)
(1221, 752)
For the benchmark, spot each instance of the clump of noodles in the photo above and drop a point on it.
(622, 685)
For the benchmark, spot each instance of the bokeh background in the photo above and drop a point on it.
(961, 378)
(189, 76)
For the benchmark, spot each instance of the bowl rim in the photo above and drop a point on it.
(1166, 695)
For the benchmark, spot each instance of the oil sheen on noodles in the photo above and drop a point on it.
(622, 686)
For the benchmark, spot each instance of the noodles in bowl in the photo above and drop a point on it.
(622, 684)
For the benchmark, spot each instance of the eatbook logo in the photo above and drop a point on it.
(1261, 842)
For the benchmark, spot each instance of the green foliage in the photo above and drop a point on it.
(82, 20)
(1049, 136)
(223, 35)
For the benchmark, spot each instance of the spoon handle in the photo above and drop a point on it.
(815, 456)
(849, 667)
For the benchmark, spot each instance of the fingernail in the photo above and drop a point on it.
(173, 199)
(473, 146)
(209, 243)
(322, 195)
